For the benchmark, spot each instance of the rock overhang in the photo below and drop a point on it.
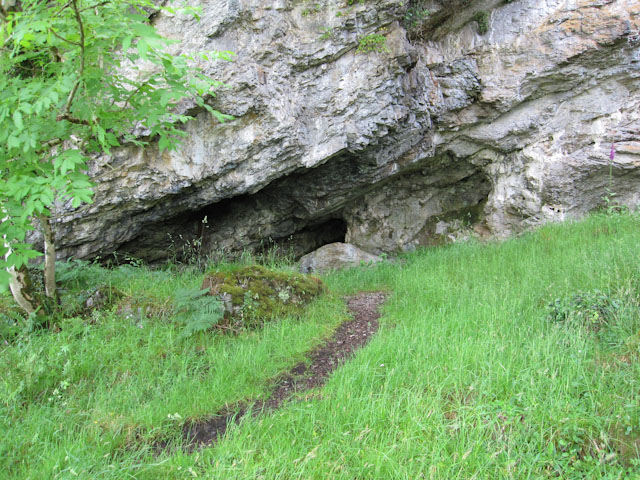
(326, 133)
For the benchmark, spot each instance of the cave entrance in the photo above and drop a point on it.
(306, 240)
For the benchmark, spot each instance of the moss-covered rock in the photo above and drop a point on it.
(254, 294)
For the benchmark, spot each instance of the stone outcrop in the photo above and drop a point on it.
(440, 125)
(335, 256)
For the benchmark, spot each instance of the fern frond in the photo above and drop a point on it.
(197, 311)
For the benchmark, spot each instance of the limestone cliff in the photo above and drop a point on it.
(497, 115)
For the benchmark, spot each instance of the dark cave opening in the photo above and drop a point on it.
(298, 214)
(218, 233)
(294, 215)
(306, 239)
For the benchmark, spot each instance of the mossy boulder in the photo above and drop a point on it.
(254, 294)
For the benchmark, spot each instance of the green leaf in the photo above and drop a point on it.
(163, 143)
(4, 281)
(112, 140)
(69, 160)
(26, 108)
(13, 142)
(46, 197)
(221, 117)
(81, 195)
(17, 120)
(126, 43)
(143, 48)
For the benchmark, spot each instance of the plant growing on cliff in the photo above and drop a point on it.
(374, 42)
(415, 16)
(72, 86)
(482, 19)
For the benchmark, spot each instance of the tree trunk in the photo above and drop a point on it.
(49, 258)
(21, 288)
(20, 282)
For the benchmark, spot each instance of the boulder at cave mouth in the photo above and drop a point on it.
(335, 256)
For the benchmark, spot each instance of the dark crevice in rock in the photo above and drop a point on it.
(342, 200)
(301, 211)
(307, 239)
(213, 231)
(181, 235)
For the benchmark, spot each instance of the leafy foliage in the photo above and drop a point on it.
(196, 310)
(591, 309)
(78, 78)
(482, 19)
(374, 42)
(416, 15)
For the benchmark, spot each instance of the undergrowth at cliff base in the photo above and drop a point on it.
(509, 360)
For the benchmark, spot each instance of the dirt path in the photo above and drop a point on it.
(323, 360)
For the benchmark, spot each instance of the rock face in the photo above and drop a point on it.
(440, 123)
(335, 256)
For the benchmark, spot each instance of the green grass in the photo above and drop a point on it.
(467, 378)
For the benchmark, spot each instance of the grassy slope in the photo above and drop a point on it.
(466, 379)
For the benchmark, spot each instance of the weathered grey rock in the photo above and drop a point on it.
(336, 256)
(498, 132)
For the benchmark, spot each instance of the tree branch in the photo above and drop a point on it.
(49, 257)
(55, 34)
(61, 9)
(65, 113)
(50, 143)
(70, 118)
(95, 6)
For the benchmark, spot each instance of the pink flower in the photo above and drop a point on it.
(612, 153)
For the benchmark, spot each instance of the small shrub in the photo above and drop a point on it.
(374, 42)
(12, 320)
(327, 33)
(482, 19)
(591, 309)
(614, 319)
(77, 274)
(415, 17)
